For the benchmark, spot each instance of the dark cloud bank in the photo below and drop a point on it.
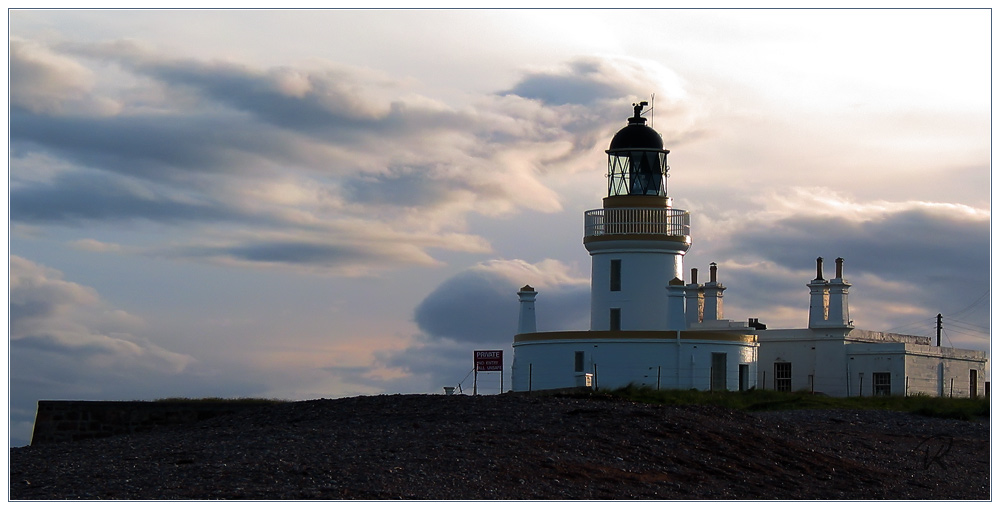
(175, 146)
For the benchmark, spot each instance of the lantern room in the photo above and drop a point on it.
(637, 162)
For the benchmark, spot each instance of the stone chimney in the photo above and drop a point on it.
(694, 296)
(713, 295)
(838, 314)
(818, 298)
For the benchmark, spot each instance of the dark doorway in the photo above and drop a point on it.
(718, 371)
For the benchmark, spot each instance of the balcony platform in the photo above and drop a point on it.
(653, 223)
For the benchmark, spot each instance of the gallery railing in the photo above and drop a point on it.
(637, 220)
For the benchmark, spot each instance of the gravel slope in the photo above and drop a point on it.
(521, 447)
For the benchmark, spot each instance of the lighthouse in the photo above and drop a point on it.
(637, 241)
(647, 326)
(650, 328)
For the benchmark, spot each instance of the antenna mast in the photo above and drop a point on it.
(652, 104)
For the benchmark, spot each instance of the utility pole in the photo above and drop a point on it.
(939, 330)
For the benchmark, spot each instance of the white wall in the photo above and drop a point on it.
(864, 359)
(841, 364)
(643, 295)
(616, 362)
(946, 374)
(816, 366)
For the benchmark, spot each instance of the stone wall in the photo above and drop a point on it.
(72, 420)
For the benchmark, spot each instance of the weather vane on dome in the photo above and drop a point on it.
(638, 107)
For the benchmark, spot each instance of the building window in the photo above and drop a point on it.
(783, 376)
(881, 383)
(578, 361)
(973, 383)
(616, 319)
(616, 275)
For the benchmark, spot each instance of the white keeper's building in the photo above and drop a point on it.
(649, 327)
(831, 356)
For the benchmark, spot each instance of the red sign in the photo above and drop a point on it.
(489, 361)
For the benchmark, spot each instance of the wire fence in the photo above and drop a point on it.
(481, 383)
(615, 375)
(879, 383)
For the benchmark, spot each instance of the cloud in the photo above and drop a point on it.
(81, 196)
(477, 309)
(44, 81)
(895, 240)
(554, 89)
(341, 249)
(480, 305)
(592, 81)
(67, 342)
(48, 313)
(166, 147)
(303, 156)
(907, 260)
(93, 245)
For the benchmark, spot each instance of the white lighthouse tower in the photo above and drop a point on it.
(637, 241)
(639, 331)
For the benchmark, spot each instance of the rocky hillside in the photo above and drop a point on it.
(519, 447)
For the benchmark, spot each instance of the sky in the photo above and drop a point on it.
(308, 204)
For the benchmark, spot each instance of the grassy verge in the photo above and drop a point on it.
(764, 400)
(217, 400)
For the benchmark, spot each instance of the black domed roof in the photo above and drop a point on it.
(637, 135)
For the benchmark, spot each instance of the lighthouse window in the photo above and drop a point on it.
(618, 175)
(578, 361)
(616, 319)
(646, 170)
(881, 383)
(637, 172)
(616, 275)
(783, 376)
